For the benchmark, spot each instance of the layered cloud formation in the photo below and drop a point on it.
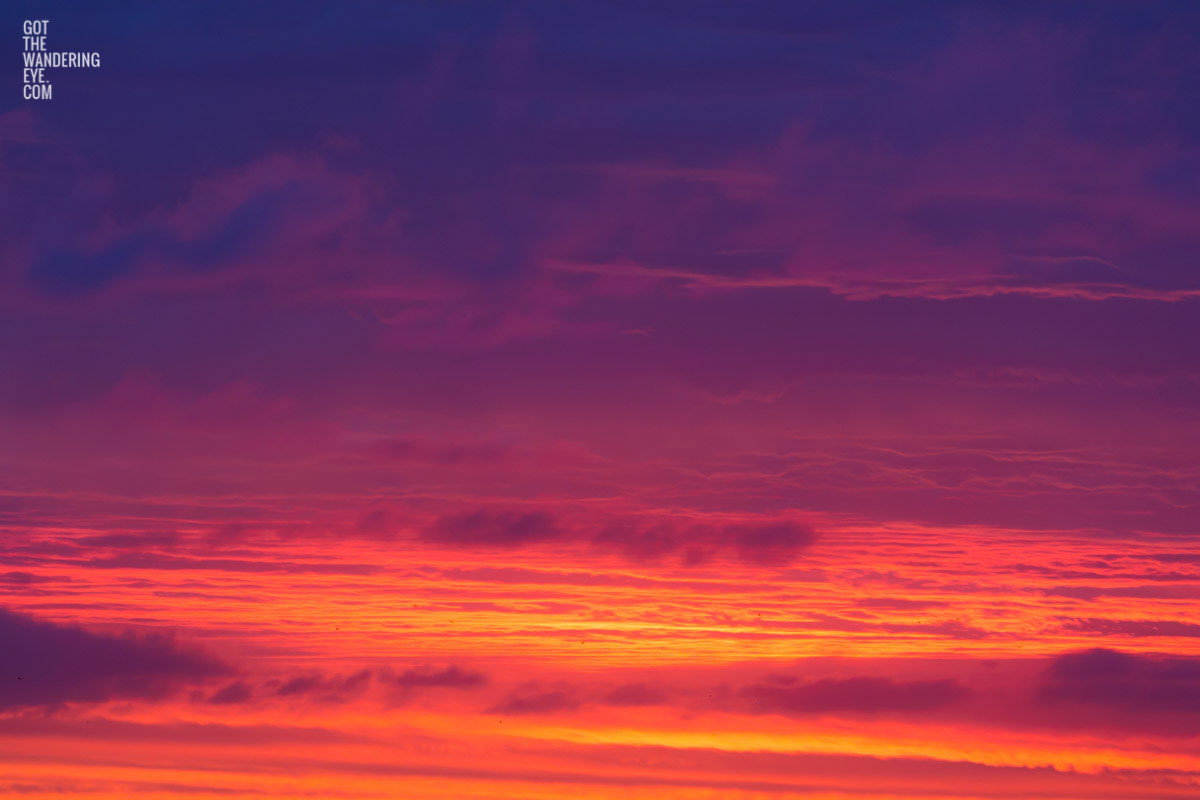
(610, 399)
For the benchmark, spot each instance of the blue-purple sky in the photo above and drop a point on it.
(621, 399)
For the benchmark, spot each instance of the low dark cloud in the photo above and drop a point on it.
(539, 698)
(636, 694)
(494, 528)
(234, 693)
(18, 578)
(534, 700)
(770, 543)
(1124, 682)
(326, 688)
(774, 694)
(323, 687)
(766, 543)
(46, 664)
(451, 677)
(859, 695)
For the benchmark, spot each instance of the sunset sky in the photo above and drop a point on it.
(592, 401)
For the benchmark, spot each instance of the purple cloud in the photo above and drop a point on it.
(451, 677)
(857, 695)
(494, 528)
(533, 700)
(47, 664)
(1124, 682)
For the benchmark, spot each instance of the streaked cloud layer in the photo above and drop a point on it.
(603, 400)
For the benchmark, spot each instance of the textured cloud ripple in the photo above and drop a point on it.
(605, 399)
